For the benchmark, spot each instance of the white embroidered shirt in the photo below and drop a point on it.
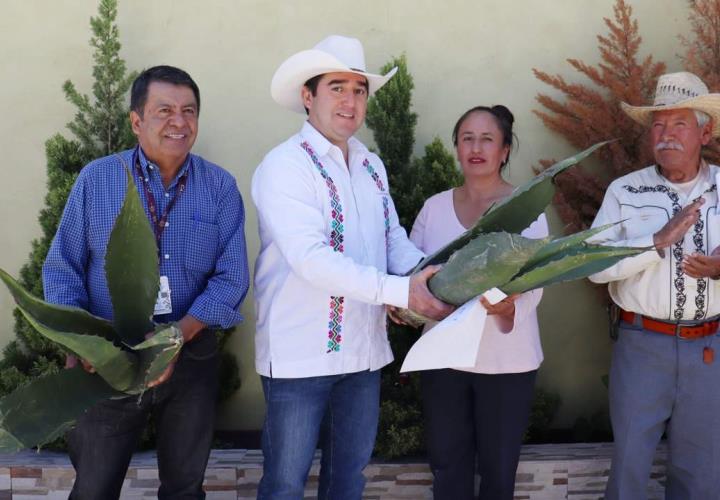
(330, 247)
(649, 284)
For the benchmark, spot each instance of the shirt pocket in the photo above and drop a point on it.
(639, 221)
(201, 247)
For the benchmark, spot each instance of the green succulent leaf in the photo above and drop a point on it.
(528, 201)
(44, 409)
(60, 318)
(156, 353)
(9, 443)
(131, 269)
(164, 335)
(516, 212)
(576, 264)
(565, 244)
(515, 264)
(489, 260)
(117, 366)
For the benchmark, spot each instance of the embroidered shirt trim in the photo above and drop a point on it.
(678, 250)
(336, 238)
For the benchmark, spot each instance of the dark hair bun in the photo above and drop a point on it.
(503, 117)
(503, 113)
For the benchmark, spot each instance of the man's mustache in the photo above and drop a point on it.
(669, 145)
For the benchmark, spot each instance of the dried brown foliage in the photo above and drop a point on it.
(702, 55)
(591, 113)
(703, 52)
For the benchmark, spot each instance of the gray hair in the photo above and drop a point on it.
(702, 117)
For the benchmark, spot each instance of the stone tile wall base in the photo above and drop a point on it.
(546, 472)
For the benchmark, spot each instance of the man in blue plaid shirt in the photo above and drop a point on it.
(197, 214)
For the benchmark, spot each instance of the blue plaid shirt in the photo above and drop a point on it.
(203, 251)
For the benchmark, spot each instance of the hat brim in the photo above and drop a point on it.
(288, 80)
(708, 103)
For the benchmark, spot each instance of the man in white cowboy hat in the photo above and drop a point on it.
(332, 252)
(664, 374)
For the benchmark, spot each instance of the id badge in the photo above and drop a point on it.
(163, 305)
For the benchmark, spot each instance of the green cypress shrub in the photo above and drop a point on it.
(412, 181)
(100, 127)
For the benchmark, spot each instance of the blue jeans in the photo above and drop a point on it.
(105, 437)
(339, 412)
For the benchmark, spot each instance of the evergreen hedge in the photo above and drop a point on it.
(100, 127)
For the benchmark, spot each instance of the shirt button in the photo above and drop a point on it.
(146, 179)
(167, 195)
(167, 256)
(167, 224)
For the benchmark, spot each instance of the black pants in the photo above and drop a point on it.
(105, 437)
(469, 415)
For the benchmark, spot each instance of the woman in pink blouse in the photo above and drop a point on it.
(481, 412)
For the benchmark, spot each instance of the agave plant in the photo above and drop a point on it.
(125, 362)
(489, 255)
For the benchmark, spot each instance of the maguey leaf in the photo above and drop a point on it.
(45, 408)
(131, 269)
(564, 244)
(570, 265)
(489, 260)
(60, 318)
(155, 354)
(516, 212)
(117, 366)
(527, 202)
(515, 264)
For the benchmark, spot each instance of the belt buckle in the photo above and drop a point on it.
(678, 330)
(704, 327)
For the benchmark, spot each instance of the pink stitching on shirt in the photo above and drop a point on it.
(336, 239)
(336, 243)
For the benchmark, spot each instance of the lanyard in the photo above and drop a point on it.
(158, 222)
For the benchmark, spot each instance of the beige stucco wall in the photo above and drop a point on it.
(460, 52)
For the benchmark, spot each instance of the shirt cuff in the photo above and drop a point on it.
(214, 314)
(648, 241)
(395, 291)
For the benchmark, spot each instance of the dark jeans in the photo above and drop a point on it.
(106, 436)
(469, 415)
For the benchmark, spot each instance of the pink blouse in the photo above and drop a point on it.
(517, 351)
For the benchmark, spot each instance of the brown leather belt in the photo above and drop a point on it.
(689, 332)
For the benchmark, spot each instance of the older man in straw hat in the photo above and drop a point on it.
(664, 375)
(331, 250)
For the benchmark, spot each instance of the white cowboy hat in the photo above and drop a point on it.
(335, 54)
(678, 91)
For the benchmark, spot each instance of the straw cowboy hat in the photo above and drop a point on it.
(678, 91)
(335, 54)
